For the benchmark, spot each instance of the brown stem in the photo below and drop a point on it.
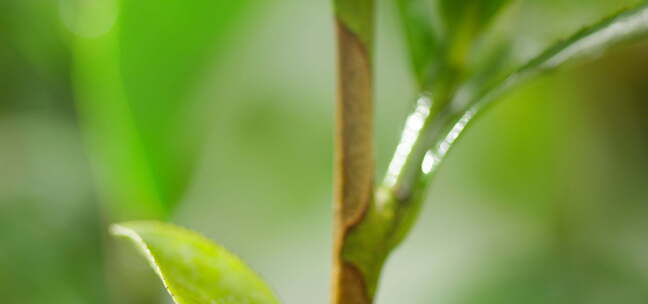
(354, 160)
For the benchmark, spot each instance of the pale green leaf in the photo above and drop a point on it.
(193, 269)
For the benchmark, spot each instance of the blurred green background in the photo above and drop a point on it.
(218, 115)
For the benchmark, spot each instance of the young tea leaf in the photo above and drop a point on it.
(464, 21)
(427, 141)
(627, 26)
(422, 39)
(440, 35)
(469, 15)
(193, 269)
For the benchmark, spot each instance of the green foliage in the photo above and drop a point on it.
(135, 72)
(193, 269)
(440, 35)
(469, 17)
(422, 38)
(464, 21)
(467, 102)
(624, 27)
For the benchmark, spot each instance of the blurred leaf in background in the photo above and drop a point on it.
(135, 74)
(137, 66)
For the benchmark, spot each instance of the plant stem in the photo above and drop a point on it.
(354, 161)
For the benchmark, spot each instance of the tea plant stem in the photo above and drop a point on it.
(354, 161)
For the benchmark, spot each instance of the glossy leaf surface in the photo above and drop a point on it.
(193, 269)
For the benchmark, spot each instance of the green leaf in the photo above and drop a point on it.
(627, 26)
(193, 269)
(421, 36)
(469, 16)
(464, 21)
(440, 35)
(137, 64)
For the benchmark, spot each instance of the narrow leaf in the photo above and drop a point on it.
(137, 64)
(627, 26)
(440, 35)
(469, 15)
(421, 37)
(193, 269)
(464, 22)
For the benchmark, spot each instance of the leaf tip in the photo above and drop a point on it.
(128, 230)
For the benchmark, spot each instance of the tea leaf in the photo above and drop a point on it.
(193, 269)
(421, 36)
(627, 26)
(469, 17)
(136, 66)
(464, 21)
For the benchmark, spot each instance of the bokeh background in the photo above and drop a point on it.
(218, 115)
